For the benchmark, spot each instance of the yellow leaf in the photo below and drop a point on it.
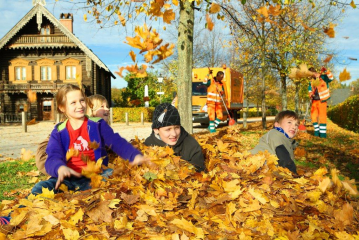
(352, 4)
(133, 56)
(215, 8)
(323, 185)
(175, 2)
(275, 11)
(18, 216)
(92, 168)
(345, 75)
(122, 19)
(51, 219)
(71, 234)
(71, 153)
(210, 24)
(113, 203)
(2, 236)
(85, 17)
(344, 215)
(257, 195)
(264, 11)
(77, 217)
(168, 16)
(314, 195)
(351, 187)
(188, 226)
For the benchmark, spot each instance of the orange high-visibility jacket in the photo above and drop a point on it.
(213, 90)
(323, 88)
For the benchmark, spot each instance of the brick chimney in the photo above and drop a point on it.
(67, 20)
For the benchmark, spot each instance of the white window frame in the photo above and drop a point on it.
(47, 75)
(70, 72)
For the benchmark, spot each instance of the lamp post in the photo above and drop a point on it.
(160, 81)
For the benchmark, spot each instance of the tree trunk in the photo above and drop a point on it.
(296, 98)
(185, 64)
(264, 119)
(245, 99)
(284, 92)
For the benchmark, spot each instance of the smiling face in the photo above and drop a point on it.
(169, 134)
(102, 111)
(289, 125)
(75, 105)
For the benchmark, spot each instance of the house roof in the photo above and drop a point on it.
(38, 11)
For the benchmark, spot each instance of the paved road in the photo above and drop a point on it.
(13, 139)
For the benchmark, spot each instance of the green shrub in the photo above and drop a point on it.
(134, 114)
(346, 114)
(252, 112)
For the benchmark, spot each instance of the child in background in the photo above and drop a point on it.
(97, 107)
(76, 133)
(279, 140)
(167, 131)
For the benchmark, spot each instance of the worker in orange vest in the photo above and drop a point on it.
(319, 94)
(214, 102)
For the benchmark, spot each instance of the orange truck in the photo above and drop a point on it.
(233, 93)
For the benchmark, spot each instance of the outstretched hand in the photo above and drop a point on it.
(63, 173)
(139, 159)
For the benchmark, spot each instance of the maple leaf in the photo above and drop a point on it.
(344, 215)
(328, 58)
(352, 4)
(274, 10)
(210, 24)
(168, 16)
(70, 234)
(92, 168)
(94, 145)
(122, 19)
(222, 147)
(264, 11)
(123, 223)
(307, 28)
(71, 153)
(77, 217)
(215, 8)
(188, 226)
(175, 2)
(101, 213)
(330, 30)
(129, 199)
(164, 52)
(26, 155)
(133, 56)
(350, 187)
(344, 75)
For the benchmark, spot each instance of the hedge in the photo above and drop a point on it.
(134, 114)
(346, 114)
(252, 112)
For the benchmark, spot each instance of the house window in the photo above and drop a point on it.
(47, 106)
(70, 72)
(45, 31)
(21, 108)
(45, 73)
(20, 73)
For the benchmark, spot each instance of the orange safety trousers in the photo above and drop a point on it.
(319, 110)
(214, 109)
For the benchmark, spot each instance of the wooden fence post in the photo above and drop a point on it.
(111, 116)
(23, 118)
(142, 118)
(126, 117)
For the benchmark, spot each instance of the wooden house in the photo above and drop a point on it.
(38, 56)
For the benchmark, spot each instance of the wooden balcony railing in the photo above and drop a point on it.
(33, 39)
(27, 86)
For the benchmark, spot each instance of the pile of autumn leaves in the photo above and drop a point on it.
(240, 197)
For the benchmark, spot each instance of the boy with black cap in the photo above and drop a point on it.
(167, 131)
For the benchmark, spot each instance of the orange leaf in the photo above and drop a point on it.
(175, 2)
(352, 4)
(71, 153)
(210, 24)
(264, 11)
(328, 58)
(133, 56)
(122, 19)
(215, 8)
(168, 16)
(330, 30)
(275, 11)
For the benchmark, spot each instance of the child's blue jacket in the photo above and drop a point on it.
(98, 131)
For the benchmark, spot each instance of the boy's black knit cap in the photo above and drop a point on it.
(165, 115)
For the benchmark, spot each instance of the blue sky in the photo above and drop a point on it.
(108, 44)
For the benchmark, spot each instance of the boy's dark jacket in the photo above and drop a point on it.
(98, 131)
(186, 147)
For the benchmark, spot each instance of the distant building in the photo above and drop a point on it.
(38, 56)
